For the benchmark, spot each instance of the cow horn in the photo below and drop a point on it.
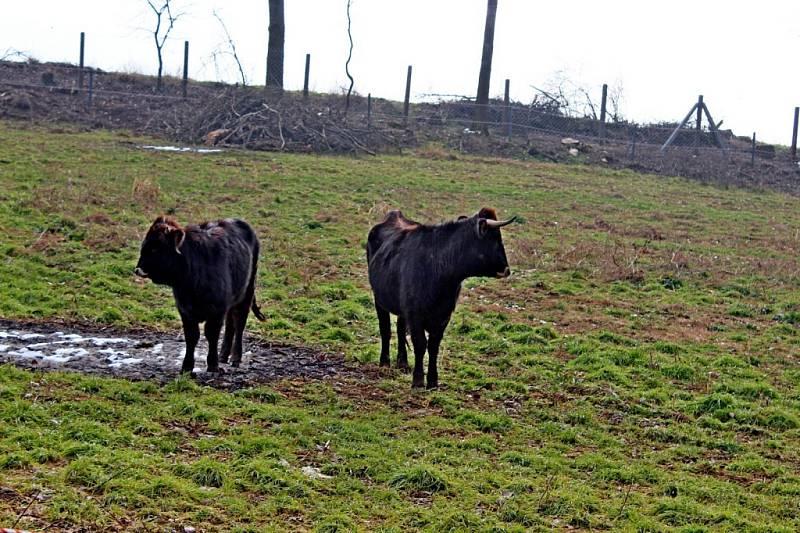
(500, 223)
(179, 242)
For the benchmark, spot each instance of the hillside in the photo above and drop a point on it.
(638, 371)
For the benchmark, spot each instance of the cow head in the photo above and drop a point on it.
(160, 256)
(488, 255)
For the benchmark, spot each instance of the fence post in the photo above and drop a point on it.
(80, 62)
(369, 110)
(408, 93)
(507, 102)
(305, 80)
(753, 150)
(794, 133)
(185, 81)
(603, 111)
(633, 144)
(90, 94)
(699, 125)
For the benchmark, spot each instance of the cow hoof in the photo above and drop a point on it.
(385, 364)
(215, 370)
(403, 368)
(432, 386)
(235, 364)
(417, 384)
(223, 360)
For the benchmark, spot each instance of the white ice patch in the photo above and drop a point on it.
(182, 149)
(28, 336)
(118, 359)
(76, 352)
(74, 337)
(4, 347)
(99, 341)
(25, 352)
(8, 335)
(157, 349)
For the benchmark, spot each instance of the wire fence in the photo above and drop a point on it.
(61, 91)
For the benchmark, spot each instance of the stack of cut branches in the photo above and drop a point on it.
(247, 119)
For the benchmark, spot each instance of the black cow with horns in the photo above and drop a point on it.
(211, 268)
(416, 271)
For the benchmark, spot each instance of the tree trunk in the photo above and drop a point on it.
(275, 46)
(482, 100)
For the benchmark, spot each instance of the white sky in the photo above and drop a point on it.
(742, 55)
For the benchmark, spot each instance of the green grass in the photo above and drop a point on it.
(616, 381)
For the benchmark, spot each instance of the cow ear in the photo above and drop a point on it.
(481, 227)
(179, 236)
(462, 217)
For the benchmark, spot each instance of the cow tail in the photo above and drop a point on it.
(257, 310)
(254, 305)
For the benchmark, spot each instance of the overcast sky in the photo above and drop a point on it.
(742, 56)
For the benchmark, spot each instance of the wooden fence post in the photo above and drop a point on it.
(602, 125)
(507, 102)
(753, 150)
(408, 93)
(794, 133)
(699, 125)
(185, 80)
(80, 62)
(305, 79)
(369, 110)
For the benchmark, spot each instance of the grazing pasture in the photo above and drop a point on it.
(638, 371)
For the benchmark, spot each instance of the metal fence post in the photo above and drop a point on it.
(753, 150)
(80, 62)
(602, 125)
(305, 79)
(794, 133)
(507, 102)
(408, 93)
(185, 81)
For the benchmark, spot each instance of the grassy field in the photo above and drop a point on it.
(639, 371)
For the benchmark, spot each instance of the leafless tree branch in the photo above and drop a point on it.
(349, 57)
(232, 46)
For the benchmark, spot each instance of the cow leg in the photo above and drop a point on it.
(191, 334)
(420, 344)
(402, 354)
(241, 321)
(211, 330)
(385, 325)
(227, 340)
(434, 340)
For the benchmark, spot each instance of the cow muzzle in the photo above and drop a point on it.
(505, 273)
(141, 273)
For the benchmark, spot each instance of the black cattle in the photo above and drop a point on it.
(211, 268)
(416, 271)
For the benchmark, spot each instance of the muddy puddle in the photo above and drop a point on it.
(156, 355)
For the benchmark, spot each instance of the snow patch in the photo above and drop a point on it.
(181, 149)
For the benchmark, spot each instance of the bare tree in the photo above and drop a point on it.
(232, 47)
(160, 35)
(277, 30)
(482, 100)
(347, 63)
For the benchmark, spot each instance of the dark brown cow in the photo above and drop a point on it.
(416, 271)
(211, 268)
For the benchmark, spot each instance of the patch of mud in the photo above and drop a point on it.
(151, 355)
